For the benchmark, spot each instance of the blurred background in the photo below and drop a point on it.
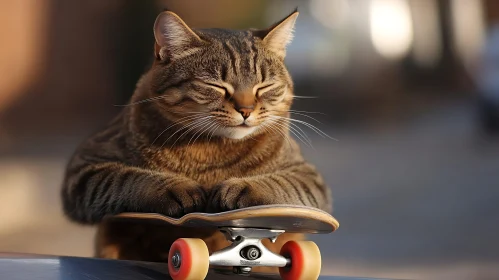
(410, 88)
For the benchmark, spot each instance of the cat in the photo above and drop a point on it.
(206, 130)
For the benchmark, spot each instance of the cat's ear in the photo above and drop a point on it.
(173, 37)
(278, 36)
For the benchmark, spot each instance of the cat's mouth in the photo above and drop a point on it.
(238, 131)
(242, 125)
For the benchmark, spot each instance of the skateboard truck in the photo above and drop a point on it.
(247, 250)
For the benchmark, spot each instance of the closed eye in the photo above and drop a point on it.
(223, 90)
(260, 90)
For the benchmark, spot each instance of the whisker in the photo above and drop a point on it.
(185, 127)
(182, 112)
(142, 101)
(302, 114)
(298, 130)
(286, 136)
(209, 126)
(300, 135)
(192, 127)
(199, 131)
(295, 113)
(196, 132)
(264, 126)
(213, 132)
(198, 124)
(179, 121)
(279, 127)
(312, 127)
(273, 126)
(306, 112)
(304, 97)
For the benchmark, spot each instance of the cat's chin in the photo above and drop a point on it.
(238, 132)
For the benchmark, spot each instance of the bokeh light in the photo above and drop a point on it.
(391, 27)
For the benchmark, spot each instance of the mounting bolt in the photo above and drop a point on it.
(176, 260)
(251, 253)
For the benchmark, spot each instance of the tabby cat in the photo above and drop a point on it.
(207, 130)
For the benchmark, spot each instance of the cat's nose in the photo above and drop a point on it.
(246, 111)
(244, 102)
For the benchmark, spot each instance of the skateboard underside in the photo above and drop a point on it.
(295, 219)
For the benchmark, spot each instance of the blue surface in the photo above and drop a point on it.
(28, 267)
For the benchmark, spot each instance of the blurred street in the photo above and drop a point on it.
(414, 199)
(415, 202)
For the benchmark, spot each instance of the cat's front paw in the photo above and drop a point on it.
(183, 199)
(235, 194)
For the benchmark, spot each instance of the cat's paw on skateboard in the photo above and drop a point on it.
(236, 194)
(176, 201)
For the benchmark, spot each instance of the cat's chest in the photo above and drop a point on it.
(212, 164)
(210, 169)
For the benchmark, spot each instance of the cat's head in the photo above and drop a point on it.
(222, 82)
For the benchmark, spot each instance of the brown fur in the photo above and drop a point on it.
(179, 146)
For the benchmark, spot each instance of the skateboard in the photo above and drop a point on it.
(245, 228)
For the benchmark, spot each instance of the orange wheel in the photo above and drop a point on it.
(305, 261)
(188, 259)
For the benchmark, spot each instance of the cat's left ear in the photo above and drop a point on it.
(173, 37)
(278, 36)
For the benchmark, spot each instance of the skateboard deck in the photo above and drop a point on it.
(290, 218)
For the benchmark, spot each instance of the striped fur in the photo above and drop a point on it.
(177, 149)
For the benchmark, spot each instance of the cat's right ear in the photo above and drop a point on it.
(173, 37)
(278, 36)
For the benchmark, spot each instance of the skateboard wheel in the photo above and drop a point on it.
(188, 259)
(305, 260)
